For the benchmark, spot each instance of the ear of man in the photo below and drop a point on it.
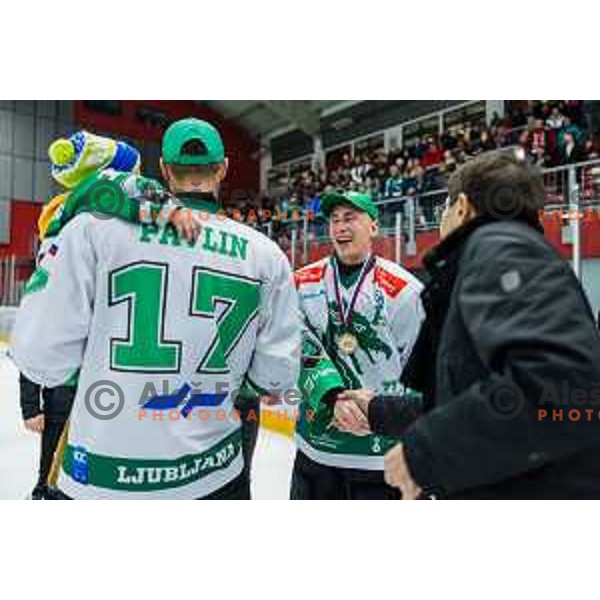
(374, 229)
(223, 168)
(465, 209)
(167, 175)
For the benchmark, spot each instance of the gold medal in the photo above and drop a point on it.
(347, 344)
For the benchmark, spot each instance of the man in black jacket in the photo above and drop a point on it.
(511, 349)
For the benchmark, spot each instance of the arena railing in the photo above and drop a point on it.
(574, 186)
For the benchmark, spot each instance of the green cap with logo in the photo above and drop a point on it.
(186, 130)
(361, 202)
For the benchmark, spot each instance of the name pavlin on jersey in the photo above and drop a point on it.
(212, 241)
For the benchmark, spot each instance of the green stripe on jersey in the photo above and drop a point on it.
(150, 475)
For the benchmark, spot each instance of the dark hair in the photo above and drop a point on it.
(183, 171)
(195, 147)
(500, 185)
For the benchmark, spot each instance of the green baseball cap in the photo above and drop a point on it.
(362, 202)
(186, 130)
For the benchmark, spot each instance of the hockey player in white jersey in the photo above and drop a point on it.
(162, 331)
(366, 312)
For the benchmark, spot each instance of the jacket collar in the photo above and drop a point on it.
(449, 248)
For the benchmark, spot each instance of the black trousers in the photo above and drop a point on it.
(57, 404)
(238, 489)
(249, 410)
(314, 481)
(57, 408)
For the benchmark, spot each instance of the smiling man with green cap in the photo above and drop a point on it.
(366, 313)
(361, 202)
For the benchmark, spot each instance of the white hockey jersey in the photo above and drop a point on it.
(385, 321)
(163, 332)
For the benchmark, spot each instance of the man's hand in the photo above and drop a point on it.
(35, 424)
(348, 417)
(361, 398)
(398, 475)
(188, 224)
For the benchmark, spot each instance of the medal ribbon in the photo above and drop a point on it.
(346, 316)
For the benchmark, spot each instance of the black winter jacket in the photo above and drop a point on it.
(513, 353)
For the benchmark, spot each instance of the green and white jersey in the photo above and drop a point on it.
(385, 321)
(162, 332)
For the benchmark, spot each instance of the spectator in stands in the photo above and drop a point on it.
(378, 174)
(556, 119)
(361, 167)
(437, 179)
(419, 148)
(537, 150)
(591, 149)
(555, 137)
(374, 187)
(572, 151)
(448, 140)
(411, 184)
(334, 179)
(419, 173)
(393, 185)
(477, 145)
(486, 141)
(433, 155)
(568, 127)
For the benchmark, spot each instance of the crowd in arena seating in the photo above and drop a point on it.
(551, 133)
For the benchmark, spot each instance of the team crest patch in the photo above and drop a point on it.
(391, 284)
(309, 275)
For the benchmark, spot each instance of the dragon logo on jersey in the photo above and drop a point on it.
(365, 332)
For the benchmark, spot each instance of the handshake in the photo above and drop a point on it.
(350, 414)
(351, 411)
